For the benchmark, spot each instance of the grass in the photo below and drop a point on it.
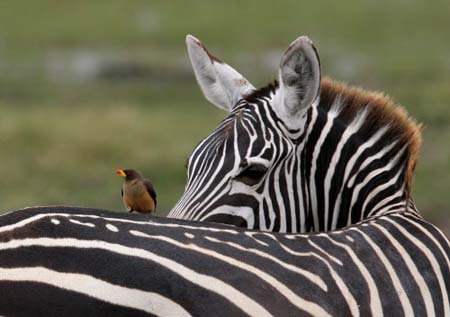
(65, 126)
(68, 155)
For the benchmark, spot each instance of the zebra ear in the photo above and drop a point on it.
(299, 78)
(220, 83)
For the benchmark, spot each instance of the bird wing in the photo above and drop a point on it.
(129, 209)
(150, 190)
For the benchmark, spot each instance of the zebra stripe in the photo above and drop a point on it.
(401, 293)
(424, 290)
(243, 272)
(146, 301)
(315, 204)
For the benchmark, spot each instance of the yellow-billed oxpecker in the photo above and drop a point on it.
(138, 193)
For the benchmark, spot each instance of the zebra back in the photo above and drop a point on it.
(77, 261)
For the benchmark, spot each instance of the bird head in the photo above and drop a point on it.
(128, 174)
(121, 172)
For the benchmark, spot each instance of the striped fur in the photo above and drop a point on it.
(353, 158)
(73, 261)
(301, 155)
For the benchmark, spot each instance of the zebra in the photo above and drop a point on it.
(379, 257)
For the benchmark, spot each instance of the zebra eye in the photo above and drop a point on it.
(252, 175)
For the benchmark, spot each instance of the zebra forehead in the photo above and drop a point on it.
(228, 126)
(262, 92)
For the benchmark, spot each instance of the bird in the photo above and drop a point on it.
(138, 193)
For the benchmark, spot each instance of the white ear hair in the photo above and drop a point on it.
(299, 78)
(220, 83)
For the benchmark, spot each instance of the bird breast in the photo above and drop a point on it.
(133, 188)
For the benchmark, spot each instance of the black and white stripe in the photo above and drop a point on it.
(74, 261)
(282, 162)
(301, 190)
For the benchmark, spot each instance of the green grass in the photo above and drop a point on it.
(68, 155)
(63, 135)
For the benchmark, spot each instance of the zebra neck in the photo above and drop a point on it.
(347, 178)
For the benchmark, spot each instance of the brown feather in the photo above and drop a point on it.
(137, 197)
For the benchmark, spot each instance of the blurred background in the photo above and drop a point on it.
(90, 86)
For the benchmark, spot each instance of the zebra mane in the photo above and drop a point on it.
(262, 92)
(382, 112)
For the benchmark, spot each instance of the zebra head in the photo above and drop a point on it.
(231, 173)
(270, 163)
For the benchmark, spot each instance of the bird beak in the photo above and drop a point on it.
(121, 173)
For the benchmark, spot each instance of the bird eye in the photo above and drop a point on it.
(252, 174)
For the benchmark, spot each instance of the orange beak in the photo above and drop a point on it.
(121, 173)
